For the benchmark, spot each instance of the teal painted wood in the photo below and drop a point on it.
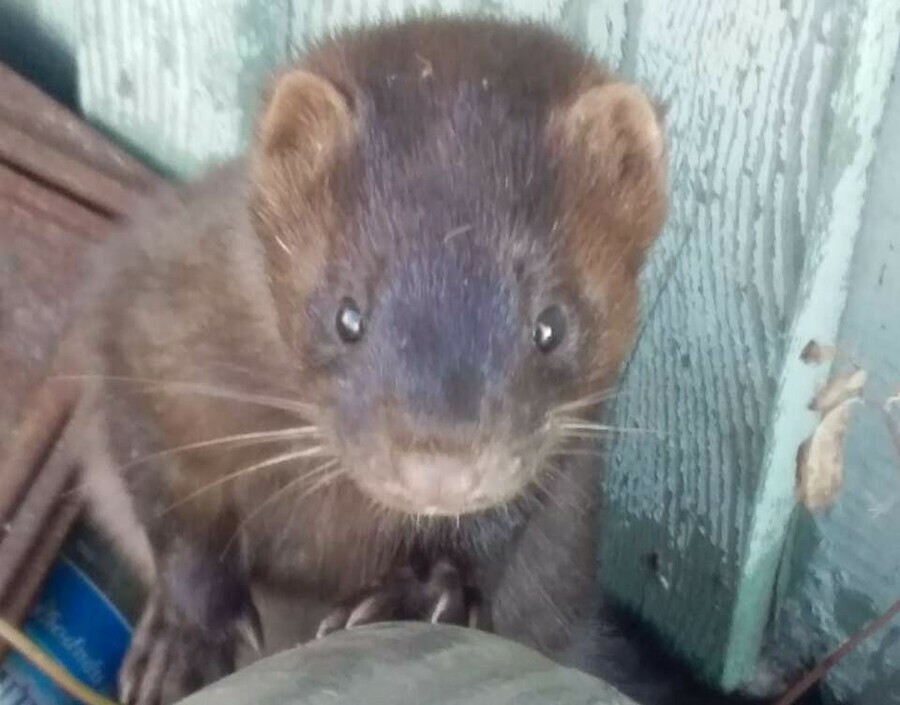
(178, 80)
(37, 40)
(848, 139)
(843, 568)
(774, 107)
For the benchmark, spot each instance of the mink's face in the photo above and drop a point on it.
(444, 370)
(460, 278)
(447, 318)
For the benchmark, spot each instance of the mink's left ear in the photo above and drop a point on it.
(303, 124)
(614, 152)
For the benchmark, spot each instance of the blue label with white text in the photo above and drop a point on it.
(75, 623)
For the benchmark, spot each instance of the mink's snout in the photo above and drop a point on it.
(436, 480)
(440, 481)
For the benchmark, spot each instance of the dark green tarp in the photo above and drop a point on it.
(406, 664)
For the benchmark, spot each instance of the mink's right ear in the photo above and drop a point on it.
(303, 124)
(305, 128)
(612, 136)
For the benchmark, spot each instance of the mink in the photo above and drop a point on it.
(366, 358)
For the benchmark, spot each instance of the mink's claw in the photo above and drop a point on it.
(439, 596)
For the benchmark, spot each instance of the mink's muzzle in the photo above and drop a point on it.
(438, 483)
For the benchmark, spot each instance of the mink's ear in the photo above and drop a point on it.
(305, 127)
(614, 151)
(302, 124)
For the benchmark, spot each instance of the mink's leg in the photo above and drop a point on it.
(198, 613)
(200, 607)
(547, 597)
(544, 593)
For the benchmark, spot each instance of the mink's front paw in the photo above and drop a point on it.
(437, 594)
(169, 659)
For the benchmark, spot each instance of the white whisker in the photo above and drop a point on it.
(326, 479)
(238, 439)
(588, 400)
(583, 436)
(304, 477)
(269, 462)
(213, 391)
(578, 452)
(601, 428)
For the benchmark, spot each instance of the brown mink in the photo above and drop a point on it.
(363, 360)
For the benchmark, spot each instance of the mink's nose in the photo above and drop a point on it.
(437, 482)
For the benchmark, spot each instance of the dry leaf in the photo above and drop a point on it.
(820, 460)
(840, 388)
(814, 354)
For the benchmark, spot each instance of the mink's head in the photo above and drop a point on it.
(454, 223)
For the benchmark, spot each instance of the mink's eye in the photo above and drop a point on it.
(349, 321)
(549, 329)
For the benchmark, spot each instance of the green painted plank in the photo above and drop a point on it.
(178, 80)
(773, 111)
(872, 38)
(844, 566)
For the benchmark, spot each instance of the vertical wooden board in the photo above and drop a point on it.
(772, 111)
(844, 566)
(599, 24)
(178, 80)
(857, 105)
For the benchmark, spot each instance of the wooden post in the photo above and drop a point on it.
(773, 115)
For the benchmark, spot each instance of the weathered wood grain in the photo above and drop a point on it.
(844, 565)
(773, 112)
(82, 183)
(27, 109)
(20, 193)
(857, 103)
(178, 80)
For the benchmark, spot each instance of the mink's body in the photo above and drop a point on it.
(398, 312)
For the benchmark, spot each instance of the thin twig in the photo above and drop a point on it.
(826, 664)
